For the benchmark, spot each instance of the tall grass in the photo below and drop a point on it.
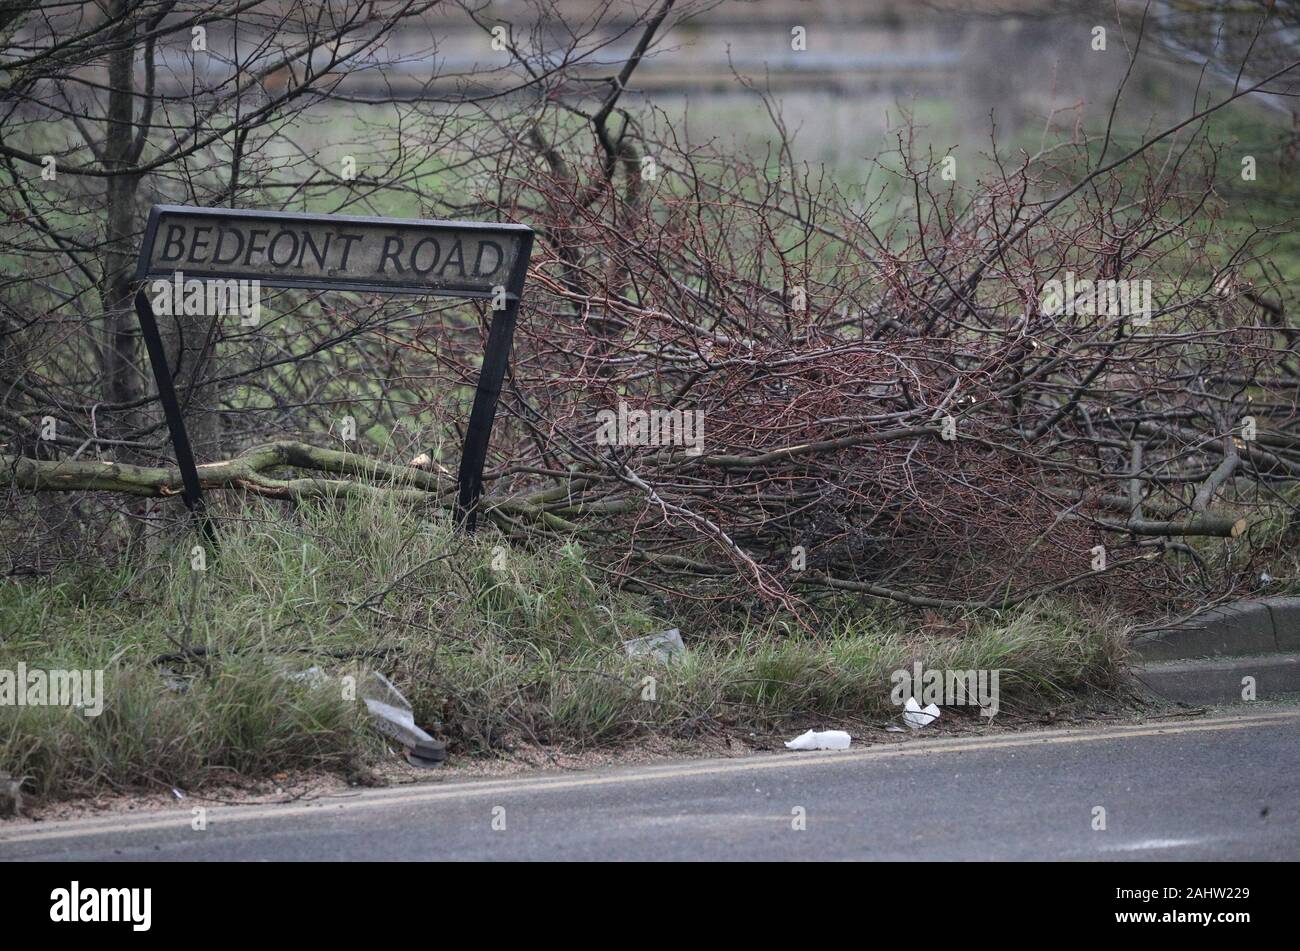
(492, 644)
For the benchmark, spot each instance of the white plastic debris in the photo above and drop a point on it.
(663, 646)
(313, 677)
(11, 796)
(393, 717)
(824, 740)
(916, 717)
(174, 683)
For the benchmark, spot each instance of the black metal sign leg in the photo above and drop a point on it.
(479, 431)
(191, 490)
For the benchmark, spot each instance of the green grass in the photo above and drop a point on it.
(493, 645)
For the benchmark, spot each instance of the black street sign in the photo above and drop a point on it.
(341, 252)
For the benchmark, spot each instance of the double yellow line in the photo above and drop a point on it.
(217, 816)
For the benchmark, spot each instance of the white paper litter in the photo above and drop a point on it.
(825, 740)
(916, 717)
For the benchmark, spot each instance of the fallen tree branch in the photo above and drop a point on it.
(247, 472)
(244, 470)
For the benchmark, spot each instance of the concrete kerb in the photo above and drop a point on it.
(1286, 622)
(1230, 630)
(1222, 680)
(1208, 658)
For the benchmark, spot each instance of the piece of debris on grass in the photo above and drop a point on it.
(916, 717)
(392, 715)
(11, 796)
(663, 646)
(313, 677)
(824, 740)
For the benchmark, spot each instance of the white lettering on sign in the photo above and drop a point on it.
(327, 250)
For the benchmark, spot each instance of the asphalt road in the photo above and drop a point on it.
(1222, 788)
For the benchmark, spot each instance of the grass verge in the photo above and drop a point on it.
(493, 645)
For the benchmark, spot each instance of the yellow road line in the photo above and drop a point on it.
(379, 799)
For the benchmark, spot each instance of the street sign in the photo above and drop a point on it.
(386, 255)
(463, 259)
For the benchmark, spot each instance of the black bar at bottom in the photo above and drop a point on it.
(191, 491)
(469, 480)
(474, 453)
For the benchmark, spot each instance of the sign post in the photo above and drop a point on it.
(340, 252)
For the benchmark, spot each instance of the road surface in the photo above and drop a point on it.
(1221, 788)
